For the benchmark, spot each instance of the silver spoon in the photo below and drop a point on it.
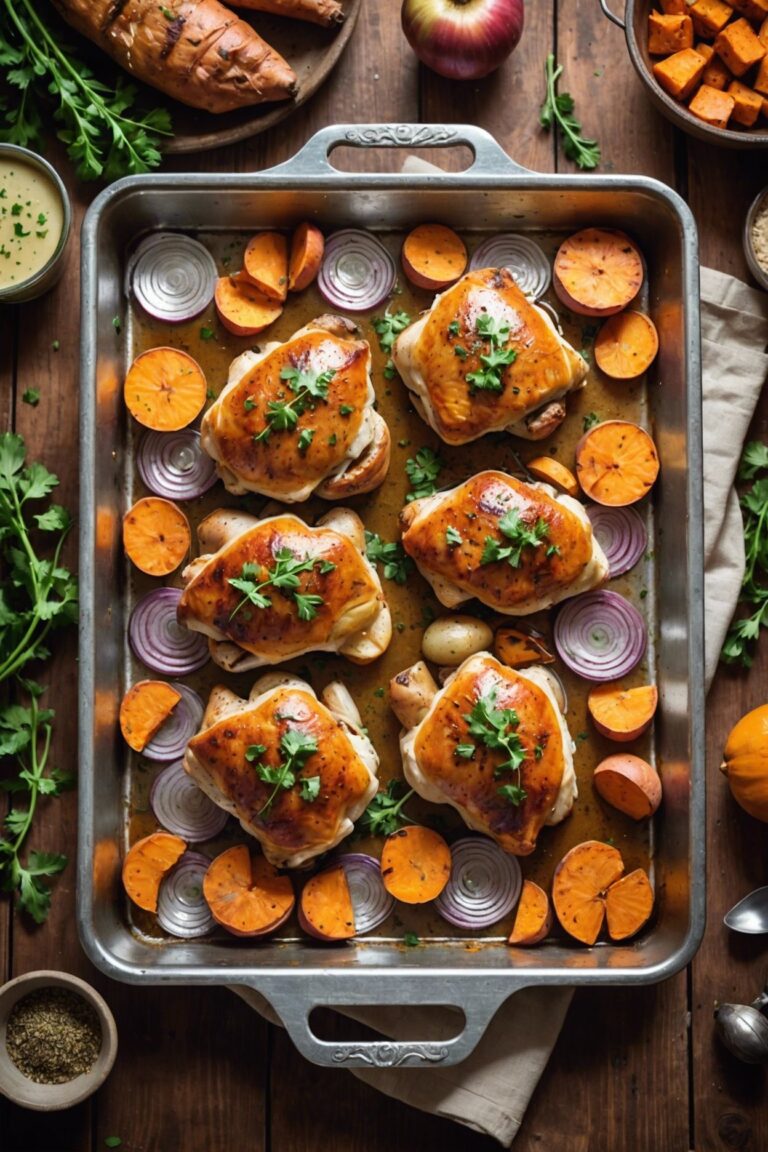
(750, 915)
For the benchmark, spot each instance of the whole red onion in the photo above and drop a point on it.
(462, 39)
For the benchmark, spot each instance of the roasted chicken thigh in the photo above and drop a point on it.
(267, 590)
(492, 743)
(294, 771)
(297, 418)
(514, 546)
(484, 358)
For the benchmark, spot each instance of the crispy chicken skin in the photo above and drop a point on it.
(349, 443)
(435, 354)
(567, 561)
(439, 723)
(291, 830)
(353, 617)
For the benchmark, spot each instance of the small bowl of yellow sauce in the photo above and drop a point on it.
(34, 224)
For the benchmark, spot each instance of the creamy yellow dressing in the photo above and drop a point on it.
(31, 220)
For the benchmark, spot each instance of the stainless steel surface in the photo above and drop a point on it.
(494, 194)
(635, 25)
(760, 274)
(750, 915)
(51, 272)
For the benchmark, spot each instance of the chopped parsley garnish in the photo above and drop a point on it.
(422, 472)
(460, 351)
(308, 389)
(389, 371)
(488, 378)
(285, 577)
(388, 326)
(453, 328)
(520, 536)
(496, 728)
(590, 420)
(309, 788)
(249, 404)
(346, 409)
(31, 396)
(397, 565)
(296, 747)
(206, 332)
(18, 230)
(383, 816)
(453, 536)
(411, 940)
(306, 436)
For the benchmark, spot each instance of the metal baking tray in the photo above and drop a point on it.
(494, 194)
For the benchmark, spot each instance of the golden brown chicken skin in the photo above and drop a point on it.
(439, 353)
(448, 536)
(340, 576)
(230, 756)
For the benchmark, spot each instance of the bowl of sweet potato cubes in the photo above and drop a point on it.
(704, 64)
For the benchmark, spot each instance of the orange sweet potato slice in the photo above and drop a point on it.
(144, 709)
(626, 345)
(307, 248)
(325, 909)
(433, 256)
(597, 272)
(552, 472)
(156, 535)
(519, 649)
(533, 918)
(246, 894)
(629, 784)
(146, 864)
(266, 264)
(622, 714)
(415, 864)
(165, 389)
(581, 881)
(242, 308)
(628, 905)
(616, 463)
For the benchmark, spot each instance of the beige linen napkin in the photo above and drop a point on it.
(490, 1090)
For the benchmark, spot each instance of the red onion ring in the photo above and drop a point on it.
(181, 907)
(173, 465)
(172, 276)
(171, 741)
(371, 902)
(159, 641)
(621, 534)
(523, 259)
(484, 886)
(183, 808)
(357, 272)
(600, 635)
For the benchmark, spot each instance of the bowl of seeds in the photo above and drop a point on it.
(58, 1040)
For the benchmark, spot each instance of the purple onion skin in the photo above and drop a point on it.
(444, 39)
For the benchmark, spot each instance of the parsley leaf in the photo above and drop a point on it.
(496, 728)
(558, 109)
(296, 747)
(285, 577)
(743, 633)
(411, 940)
(422, 472)
(309, 788)
(31, 396)
(521, 535)
(590, 420)
(453, 536)
(308, 388)
(397, 565)
(388, 326)
(488, 378)
(384, 815)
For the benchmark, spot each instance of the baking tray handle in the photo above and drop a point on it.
(490, 159)
(473, 1000)
(612, 15)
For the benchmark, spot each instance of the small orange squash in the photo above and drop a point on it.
(745, 762)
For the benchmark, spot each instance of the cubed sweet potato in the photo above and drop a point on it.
(712, 106)
(748, 104)
(754, 10)
(716, 74)
(739, 47)
(668, 34)
(760, 82)
(710, 17)
(680, 73)
(673, 7)
(705, 50)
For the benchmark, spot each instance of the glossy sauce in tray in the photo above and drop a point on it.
(413, 605)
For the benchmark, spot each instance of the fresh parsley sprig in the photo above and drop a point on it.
(38, 594)
(496, 728)
(285, 577)
(389, 326)
(296, 747)
(37, 68)
(743, 633)
(308, 388)
(558, 109)
(397, 565)
(520, 535)
(488, 378)
(422, 472)
(384, 815)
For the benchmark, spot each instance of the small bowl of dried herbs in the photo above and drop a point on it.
(58, 1040)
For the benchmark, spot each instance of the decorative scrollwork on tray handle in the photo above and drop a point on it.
(402, 135)
(391, 1055)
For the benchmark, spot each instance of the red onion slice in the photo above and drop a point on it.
(371, 902)
(357, 272)
(159, 641)
(621, 534)
(181, 907)
(183, 808)
(171, 741)
(484, 886)
(523, 259)
(173, 465)
(172, 276)
(600, 635)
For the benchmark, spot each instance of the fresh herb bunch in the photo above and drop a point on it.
(37, 595)
(285, 577)
(422, 472)
(384, 814)
(488, 378)
(520, 535)
(103, 135)
(743, 633)
(397, 565)
(296, 747)
(558, 109)
(496, 728)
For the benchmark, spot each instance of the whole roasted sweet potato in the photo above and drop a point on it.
(197, 51)
(325, 12)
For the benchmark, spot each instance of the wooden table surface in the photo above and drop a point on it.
(635, 1069)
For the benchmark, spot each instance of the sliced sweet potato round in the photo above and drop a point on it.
(533, 918)
(165, 389)
(628, 905)
(433, 257)
(616, 463)
(246, 894)
(626, 345)
(597, 272)
(325, 908)
(629, 784)
(622, 714)
(551, 471)
(242, 308)
(581, 881)
(144, 709)
(145, 865)
(415, 864)
(156, 535)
